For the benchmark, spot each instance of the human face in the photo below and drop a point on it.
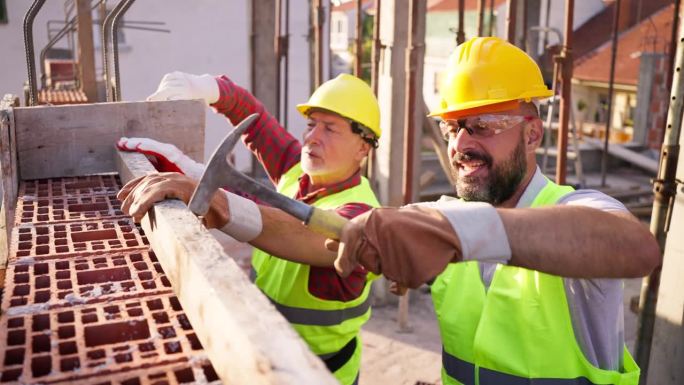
(488, 156)
(331, 152)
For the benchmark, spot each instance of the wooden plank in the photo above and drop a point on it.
(72, 140)
(246, 339)
(10, 181)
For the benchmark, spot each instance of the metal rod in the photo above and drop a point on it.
(115, 47)
(491, 18)
(106, 60)
(30, 53)
(318, 19)
(611, 83)
(511, 16)
(565, 102)
(358, 38)
(460, 34)
(480, 17)
(524, 44)
(377, 44)
(277, 46)
(664, 188)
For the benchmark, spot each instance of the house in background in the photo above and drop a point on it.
(641, 66)
(343, 32)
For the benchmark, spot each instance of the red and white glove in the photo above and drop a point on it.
(165, 157)
(182, 86)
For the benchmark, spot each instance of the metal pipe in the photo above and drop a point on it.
(565, 103)
(277, 46)
(318, 20)
(611, 83)
(460, 33)
(410, 102)
(30, 53)
(511, 16)
(664, 188)
(491, 18)
(358, 39)
(115, 47)
(480, 16)
(375, 64)
(286, 60)
(673, 43)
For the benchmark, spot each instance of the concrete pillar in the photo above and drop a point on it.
(391, 96)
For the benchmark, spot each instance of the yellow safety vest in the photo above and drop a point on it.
(518, 331)
(330, 328)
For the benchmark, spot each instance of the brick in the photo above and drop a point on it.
(70, 186)
(83, 341)
(37, 242)
(84, 280)
(66, 209)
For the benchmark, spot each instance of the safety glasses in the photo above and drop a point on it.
(481, 126)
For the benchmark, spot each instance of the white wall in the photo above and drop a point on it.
(207, 36)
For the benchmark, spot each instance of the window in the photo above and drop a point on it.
(3, 12)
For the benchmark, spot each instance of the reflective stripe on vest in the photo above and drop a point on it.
(464, 372)
(315, 317)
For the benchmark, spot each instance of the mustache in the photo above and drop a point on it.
(460, 157)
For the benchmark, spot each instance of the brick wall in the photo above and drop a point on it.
(85, 300)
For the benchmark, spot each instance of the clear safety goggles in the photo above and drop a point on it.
(481, 126)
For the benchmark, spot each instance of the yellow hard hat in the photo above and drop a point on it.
(349, 97)
(487, 71)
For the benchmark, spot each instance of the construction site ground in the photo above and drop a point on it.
(392, 356)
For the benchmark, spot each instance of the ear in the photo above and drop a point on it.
(363, 150)
(534, 133)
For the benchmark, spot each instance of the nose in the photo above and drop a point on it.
(462, 142)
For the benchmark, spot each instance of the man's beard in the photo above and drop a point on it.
(500, 183)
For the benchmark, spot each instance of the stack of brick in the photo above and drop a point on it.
(86, 301)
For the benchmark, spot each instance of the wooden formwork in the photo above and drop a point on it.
(245, 338)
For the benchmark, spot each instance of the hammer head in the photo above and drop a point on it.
(218, 169)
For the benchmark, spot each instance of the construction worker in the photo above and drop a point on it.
(291, 266)
(527, 284)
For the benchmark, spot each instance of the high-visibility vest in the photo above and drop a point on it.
(327, 326)
(518, 331)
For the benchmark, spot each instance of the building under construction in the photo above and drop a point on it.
(91, 297)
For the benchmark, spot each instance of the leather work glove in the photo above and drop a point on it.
(408, 245)
(165, 157)
(182, 86)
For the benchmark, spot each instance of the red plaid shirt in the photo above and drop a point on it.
(278, 151)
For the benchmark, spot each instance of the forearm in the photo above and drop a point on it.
(286, 237)
(579, 242)
(276, 149)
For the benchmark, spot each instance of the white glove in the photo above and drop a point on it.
(181, 86)
(166, 157)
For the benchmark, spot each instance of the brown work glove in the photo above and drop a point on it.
(141, 193)
(408, 245)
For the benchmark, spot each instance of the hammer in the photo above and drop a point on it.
(220, 173)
